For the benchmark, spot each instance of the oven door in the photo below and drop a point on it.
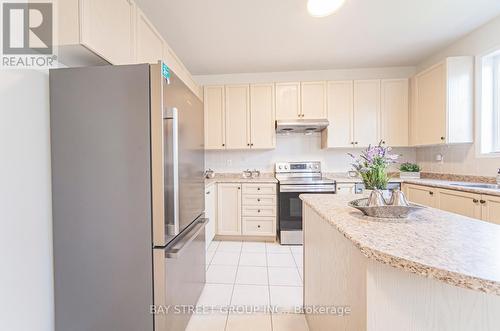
(290, 205)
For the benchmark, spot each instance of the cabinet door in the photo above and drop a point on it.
(345, 188)
(394, 112)
(490, 209)
(150, 44)
(214, 117)
(340, 112)
(431, 106)
(366, 112)
(313, 100)
(262, 131)
(458, 202)
(421, 195)
(107, 28)
(210, 212)
(287, 101)
(237, 117)
(229, 209)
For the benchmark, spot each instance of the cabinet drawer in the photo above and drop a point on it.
(259, 226)
(259, 211)
(259, 188)
(259, 200)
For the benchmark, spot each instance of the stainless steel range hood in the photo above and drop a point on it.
(301, 126)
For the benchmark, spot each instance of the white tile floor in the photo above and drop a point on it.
(264, 276)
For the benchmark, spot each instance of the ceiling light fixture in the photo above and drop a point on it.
(322, 8)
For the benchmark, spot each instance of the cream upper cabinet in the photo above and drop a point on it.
(458, 202)
(490, 208)
(228, 209)
(237, 116)
(214, 117)
(150, 44)
(421, 194)
(107, 28)
(262, 116)
(431, 105)
(366, 112)
(339, 132)
(313, 100)
(444, 103)
(287, 101)
(394, 112)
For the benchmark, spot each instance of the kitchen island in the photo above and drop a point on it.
(433, 271)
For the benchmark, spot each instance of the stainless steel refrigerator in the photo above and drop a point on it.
(128, 198)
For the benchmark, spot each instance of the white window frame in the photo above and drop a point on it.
(488, 123)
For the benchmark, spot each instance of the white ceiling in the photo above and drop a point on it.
(236, 36)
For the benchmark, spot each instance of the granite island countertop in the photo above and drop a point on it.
(454, 249)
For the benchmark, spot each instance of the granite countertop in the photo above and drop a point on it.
(238, 178)
(457, 250)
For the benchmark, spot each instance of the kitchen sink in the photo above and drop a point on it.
(478, 185)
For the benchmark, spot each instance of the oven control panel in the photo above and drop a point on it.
(290, 167)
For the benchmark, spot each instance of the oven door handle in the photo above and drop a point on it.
(308, 188)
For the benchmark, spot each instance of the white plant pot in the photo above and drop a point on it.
(409, 175)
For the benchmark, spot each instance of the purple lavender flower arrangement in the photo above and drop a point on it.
(371, 165)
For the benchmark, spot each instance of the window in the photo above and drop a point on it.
(489, 102)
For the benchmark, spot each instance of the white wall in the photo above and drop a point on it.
(26, 280)
(462, 159)
(289, 148)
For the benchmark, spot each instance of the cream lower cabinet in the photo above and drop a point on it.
(481, 206)
(210, 212)
(458, 202)
(228, 209)
(422, 195)
(490, 208)
(259, 210)
(246, 209)
(346, 188)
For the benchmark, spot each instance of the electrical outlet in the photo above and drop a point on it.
(229, 162)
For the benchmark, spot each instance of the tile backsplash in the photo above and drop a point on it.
(289, 148)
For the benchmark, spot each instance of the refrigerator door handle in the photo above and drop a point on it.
(172, 168)
(176, 251)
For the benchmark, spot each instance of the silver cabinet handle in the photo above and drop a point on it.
(178, 247)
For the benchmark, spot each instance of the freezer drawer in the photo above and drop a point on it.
(179, 277)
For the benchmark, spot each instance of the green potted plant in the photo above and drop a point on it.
(409, 170)
(371, 165)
